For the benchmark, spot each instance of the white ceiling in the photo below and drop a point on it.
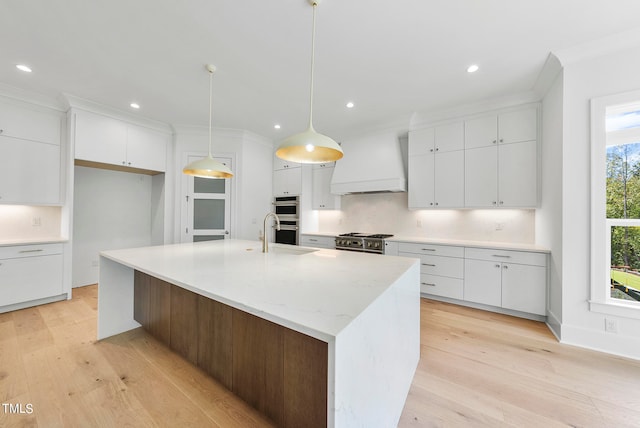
(391, 58)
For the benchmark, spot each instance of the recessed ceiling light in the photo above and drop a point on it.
(350, 104)
(24, 68)
(472, 68)
(135, 105)
(276, 126)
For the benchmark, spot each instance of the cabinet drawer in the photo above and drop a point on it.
(317, 241)
(438, 250)
(441, 286)
(30, 278)
(520, 257)
(19, 251)
(438, 265)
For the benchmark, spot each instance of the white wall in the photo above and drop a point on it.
(549, 215)
(583, 80)
(112, 210)
(388, 213)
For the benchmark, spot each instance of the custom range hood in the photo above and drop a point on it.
(371, 164)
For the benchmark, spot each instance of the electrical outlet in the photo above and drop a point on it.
(36, 221)
(610, 325)
(499, 225)
(419, 223)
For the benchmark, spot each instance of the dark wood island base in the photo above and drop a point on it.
(280, 372)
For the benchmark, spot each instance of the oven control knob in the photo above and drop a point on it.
(377, 245)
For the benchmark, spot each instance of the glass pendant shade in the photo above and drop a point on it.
(310, 146)
(208, 167)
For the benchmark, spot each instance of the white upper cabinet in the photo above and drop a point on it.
(107, 140)
(287, 182)
(279, 163)
(501, 160)
(30, 140)
(436, 167)
(322, 198)
(503, 128)
(29, 124)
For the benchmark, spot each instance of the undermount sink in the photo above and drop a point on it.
(291, 249)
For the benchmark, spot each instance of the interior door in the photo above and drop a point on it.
(207, 212)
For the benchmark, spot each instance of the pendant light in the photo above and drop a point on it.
(310, 146)
(208, 167)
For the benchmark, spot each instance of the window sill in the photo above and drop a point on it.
(625, 310)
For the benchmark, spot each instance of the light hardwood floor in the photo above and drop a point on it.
(476, 369)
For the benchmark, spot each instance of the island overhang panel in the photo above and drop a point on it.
(365, 307)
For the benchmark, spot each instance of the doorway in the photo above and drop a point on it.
(206, 212)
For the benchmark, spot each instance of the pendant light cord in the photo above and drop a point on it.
(210, 106)
(313, 55)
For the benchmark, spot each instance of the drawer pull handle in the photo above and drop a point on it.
(31, 251)
(313, 240)
(428, 283)
(428, 249)
(428, 264)
(501, 256)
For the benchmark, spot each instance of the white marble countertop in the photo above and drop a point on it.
(32, 241)
(317, 293)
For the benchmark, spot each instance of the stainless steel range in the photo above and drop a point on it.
(364, 242)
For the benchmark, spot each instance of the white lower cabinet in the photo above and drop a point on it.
(30, 273)
(441, 268)
(514, 280)
(506, 280)
(318, 241)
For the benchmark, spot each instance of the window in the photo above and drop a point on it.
(615, 213)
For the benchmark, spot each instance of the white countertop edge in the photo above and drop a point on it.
(475, 244)
(32, 241)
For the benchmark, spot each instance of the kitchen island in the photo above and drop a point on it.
(360, 313)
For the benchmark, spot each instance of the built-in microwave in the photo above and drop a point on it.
(288, 206)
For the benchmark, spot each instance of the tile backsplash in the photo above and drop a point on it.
(388, 213)
(29, 222)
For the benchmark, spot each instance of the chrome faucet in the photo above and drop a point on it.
(265, 239)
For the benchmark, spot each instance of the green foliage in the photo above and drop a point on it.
(623, 201)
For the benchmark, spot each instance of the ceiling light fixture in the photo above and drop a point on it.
(24, 68)
(310, 146)
(472, 68)
(276, 126)
(208, 167)
(134, 105)
(350, 104)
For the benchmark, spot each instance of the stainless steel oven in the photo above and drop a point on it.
(287, 209)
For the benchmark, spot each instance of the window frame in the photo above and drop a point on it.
(600, 299)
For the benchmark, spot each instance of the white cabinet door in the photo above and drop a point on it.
(30, 278)
(279, 163)
(482, 282)
(481, 177)
(517, 126)
(29, 124)
(19, 184)
(517, 174)
(100, 139)
(480, 132)
(449, 179)
(524, 288)
(287, 181)
(146, 148)
(449, 137)
(421, 181)
(421, 141)
(322, 199)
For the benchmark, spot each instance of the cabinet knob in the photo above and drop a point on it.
(430, 203)
(505, 267)
(437, 149)
(436, 203)
(129, 163)
(494, 141)
(493, 203)
(497, 265)
(431, 150)
(501, 140)
(501, 202)
(1, 131)
(123, 163)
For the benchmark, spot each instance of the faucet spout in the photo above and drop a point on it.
(265, 239)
